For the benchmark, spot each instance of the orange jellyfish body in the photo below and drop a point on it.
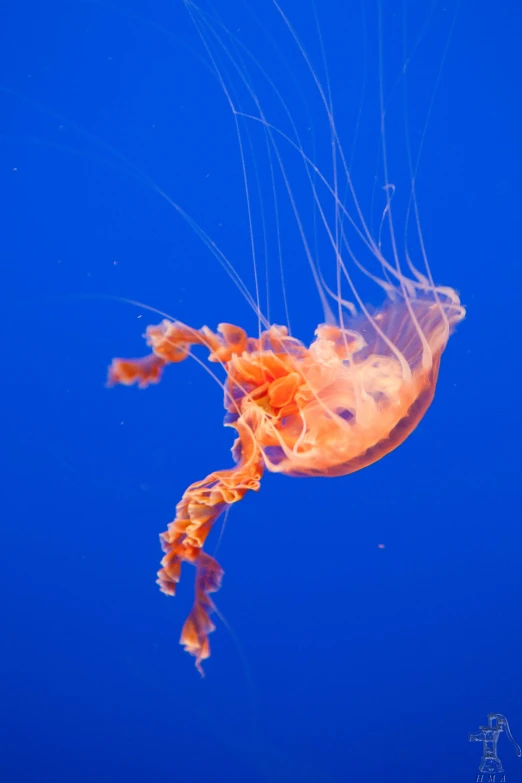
(330, 409)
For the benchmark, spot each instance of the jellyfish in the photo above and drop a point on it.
(327, 409)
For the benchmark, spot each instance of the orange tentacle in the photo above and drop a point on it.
(141, 371)
(204, 501)
(171, 342)
(198, 625)
(201, 505)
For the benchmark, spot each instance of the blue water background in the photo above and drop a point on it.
(345, 661)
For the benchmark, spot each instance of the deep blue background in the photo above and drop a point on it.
(347, 661)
